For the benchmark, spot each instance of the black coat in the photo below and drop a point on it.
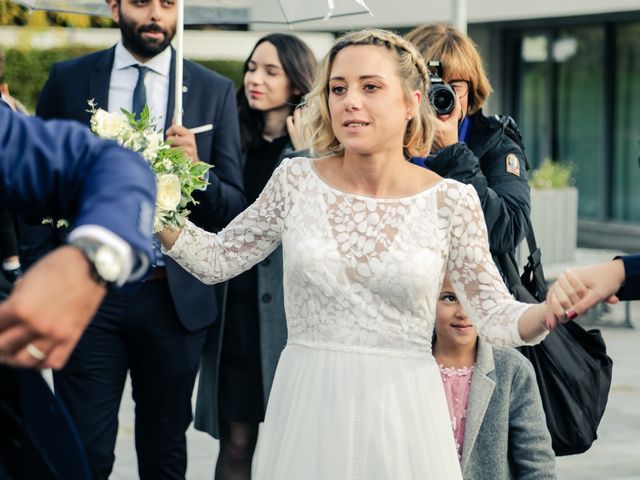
(493, 161)
(273, 334)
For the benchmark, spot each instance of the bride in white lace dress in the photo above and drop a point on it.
(367, 238)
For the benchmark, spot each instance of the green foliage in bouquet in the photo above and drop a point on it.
(177, 176)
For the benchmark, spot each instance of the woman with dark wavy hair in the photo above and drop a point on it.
(241, 357)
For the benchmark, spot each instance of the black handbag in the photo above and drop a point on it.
(572, 367)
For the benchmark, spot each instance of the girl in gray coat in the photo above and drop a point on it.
(494, 402)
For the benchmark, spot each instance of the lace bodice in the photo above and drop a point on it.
(362, 272)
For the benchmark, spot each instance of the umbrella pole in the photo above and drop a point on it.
(179, 58)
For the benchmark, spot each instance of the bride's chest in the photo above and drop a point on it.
(365, 240)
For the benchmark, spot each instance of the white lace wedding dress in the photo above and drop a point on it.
(357, 393)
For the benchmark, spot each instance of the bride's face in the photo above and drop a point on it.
(368, 107)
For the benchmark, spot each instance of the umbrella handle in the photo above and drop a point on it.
(177, 115)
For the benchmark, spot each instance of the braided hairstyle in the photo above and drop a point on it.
(412, 71)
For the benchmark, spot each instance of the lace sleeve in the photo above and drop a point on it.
(247, 240)
(474, 276)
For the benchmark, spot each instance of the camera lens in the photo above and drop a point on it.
(443, 98)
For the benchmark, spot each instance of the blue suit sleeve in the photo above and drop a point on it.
(59, 169)
(631, 287)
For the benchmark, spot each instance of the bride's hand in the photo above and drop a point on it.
(565, 292)
(583, 287)
(168, 237)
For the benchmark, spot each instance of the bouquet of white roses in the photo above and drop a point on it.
(177, 176)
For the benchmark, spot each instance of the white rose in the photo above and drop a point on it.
(108, 125)
(168, 192)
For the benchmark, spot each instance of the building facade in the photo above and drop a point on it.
(569, 72)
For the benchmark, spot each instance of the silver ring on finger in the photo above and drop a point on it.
(35, 352)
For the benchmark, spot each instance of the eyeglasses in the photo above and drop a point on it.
(461, 87)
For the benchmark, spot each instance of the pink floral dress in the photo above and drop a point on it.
(457, 384)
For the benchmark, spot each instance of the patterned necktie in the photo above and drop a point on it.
(140, 92)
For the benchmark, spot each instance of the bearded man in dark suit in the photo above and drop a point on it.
(156, 329)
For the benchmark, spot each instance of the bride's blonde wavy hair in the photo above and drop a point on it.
(412, 71)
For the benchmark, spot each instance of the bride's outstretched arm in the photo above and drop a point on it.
(247, 240)
(497, 316)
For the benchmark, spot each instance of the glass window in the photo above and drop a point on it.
(533, 105)
(578, 58)
(625, 191)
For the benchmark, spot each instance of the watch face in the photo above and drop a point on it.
(107, 264)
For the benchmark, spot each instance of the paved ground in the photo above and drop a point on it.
(614, 456)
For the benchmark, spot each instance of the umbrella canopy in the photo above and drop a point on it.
(218, 12)
(225, 12)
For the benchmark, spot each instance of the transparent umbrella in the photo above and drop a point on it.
(219, 12)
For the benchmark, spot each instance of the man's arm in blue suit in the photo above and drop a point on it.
(631, 288)
(60, 169)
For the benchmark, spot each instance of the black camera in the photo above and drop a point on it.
(440, 94)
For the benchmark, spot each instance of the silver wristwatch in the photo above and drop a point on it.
(105, 263)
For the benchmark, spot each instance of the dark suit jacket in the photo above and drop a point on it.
(54, 169)
(208, 98)
(631, 288)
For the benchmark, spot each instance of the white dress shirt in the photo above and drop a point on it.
(124, 77)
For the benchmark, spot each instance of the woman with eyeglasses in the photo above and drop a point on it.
(485, 152)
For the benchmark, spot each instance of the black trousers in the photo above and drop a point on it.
(136, 330)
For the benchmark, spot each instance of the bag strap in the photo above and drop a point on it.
(534, 251)
(532, 279)
(533, 273)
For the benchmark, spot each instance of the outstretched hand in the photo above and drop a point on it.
(49, 308)
(578, 290)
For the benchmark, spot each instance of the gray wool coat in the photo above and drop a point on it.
(506, 434)
(273, 335)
